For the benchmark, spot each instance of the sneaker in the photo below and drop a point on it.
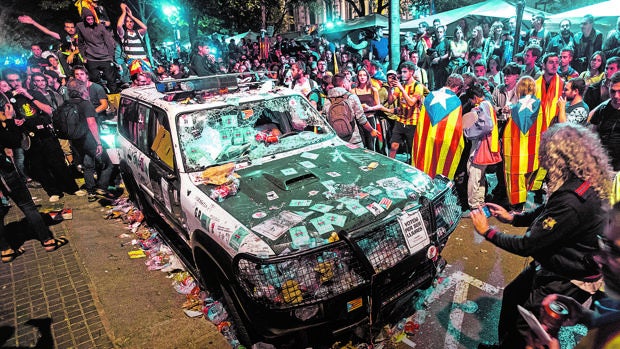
(33, 185)
(92, 197)
(80, 193)
(102, 193)
(67, 214)
(54, 198)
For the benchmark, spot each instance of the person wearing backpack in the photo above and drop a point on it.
(88, 143)
(318, 94)
(43, 154)
(342, 109)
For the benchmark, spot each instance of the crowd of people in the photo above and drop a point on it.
(462, 106)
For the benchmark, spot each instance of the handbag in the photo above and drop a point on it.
(484, 155)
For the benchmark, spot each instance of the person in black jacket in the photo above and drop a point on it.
(203, 62)
(14, 187)
(562, 234)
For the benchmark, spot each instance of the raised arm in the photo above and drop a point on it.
(121, 21)
(28, 20)
(142, 29)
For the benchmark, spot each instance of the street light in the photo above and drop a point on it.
(172, 14)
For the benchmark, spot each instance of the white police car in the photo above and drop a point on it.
(301, 232)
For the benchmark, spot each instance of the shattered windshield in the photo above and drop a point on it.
(248, 131)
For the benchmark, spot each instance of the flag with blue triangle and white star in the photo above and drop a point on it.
(438, 141)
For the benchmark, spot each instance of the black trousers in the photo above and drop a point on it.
(529, 289)
(13, 186)
(109, 73)
(47, 165)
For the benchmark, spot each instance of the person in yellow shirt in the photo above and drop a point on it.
(409, 93)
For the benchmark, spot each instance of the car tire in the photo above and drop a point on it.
(240, 330)
(214, 282)
(134, 193)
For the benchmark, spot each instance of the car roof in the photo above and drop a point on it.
(177, 101)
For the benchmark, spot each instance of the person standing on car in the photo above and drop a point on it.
(343, 108)
(89, 146)
(562, 234)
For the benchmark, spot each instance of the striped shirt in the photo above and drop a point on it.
(409, 115)
(133, 45)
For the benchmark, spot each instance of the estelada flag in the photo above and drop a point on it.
(438, 141)
(522, 135)
(137, 65)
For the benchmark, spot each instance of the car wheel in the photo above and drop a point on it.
(240, 330)
(135, 195)
(214, 282)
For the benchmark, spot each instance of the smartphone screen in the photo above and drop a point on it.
(486, 211)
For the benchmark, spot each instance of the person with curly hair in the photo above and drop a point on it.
(562, 234)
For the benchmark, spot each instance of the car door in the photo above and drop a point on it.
(162, 170)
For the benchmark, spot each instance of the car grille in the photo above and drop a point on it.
(311, 276)
(384, 246)
(447, 212)
(315, 275)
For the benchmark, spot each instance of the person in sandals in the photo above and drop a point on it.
(13, 186)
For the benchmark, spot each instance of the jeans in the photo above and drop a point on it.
(19, 158)
(367, 138)
(476, 184)
(93, 163)
(14, 187)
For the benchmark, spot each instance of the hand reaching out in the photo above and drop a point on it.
(25, 19)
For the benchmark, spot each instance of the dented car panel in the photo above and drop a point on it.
(306, 231)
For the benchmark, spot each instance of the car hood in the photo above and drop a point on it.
(302, 200)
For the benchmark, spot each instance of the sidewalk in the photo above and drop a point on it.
(89, 294)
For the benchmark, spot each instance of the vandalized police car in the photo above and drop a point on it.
(301, 232)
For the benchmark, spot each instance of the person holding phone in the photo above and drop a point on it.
(561, 235)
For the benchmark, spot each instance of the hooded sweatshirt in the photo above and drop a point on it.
(95, 42)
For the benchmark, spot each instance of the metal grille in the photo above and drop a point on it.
(397, 288)
(384, 246)
(306, 279)
(447, 213)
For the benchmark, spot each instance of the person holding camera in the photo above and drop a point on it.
(562, 234)
(409, 99)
